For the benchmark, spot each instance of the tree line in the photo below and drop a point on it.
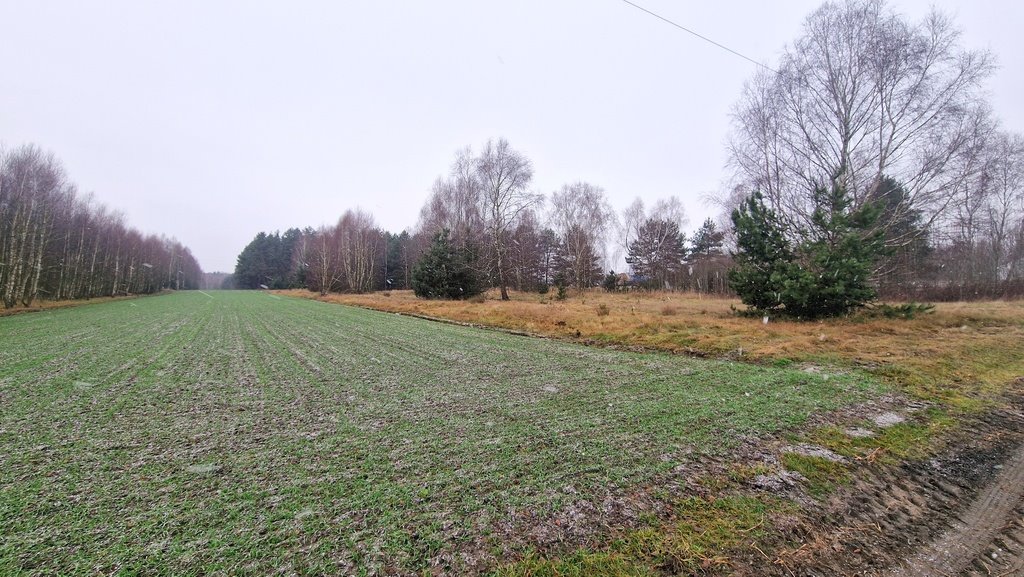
(868, 163)
(58, 244)
(484, 219)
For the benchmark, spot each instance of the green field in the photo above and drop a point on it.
(245, 433)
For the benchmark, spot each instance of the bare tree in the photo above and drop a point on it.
(581, 216)
(633, 218)
(862, 95)
(670, 209)
(359, 242)
(322, 270)
(1004, 213)
(58, 244)
(504, 175)
(455, 202)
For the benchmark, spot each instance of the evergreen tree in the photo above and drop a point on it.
(708, 264)
(840, 256)
(658, 251)
(445, 272)
(267, 261)
(908, 260)
(707, 241)
(610, 282)
(762, 257)
(826, 274)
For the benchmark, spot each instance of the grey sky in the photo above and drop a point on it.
(211, 121)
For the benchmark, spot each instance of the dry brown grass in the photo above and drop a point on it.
(959, 353)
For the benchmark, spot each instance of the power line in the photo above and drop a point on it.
(704, 38)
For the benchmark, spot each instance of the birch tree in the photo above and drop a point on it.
(504, 175)
(863, 94)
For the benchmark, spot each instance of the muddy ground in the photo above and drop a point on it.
(960, 513)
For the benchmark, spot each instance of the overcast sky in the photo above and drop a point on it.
(210, 121)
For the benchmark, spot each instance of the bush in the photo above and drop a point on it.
(562, 286)
(602, 310)
(902, 311)
(610, 282)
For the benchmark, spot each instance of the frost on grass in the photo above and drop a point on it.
(354, 440)
(886, 420)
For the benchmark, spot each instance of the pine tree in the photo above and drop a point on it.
(708, 264)
(826, 274)
(445, 272)
(658, 251)
(707, 241)
(763, 256)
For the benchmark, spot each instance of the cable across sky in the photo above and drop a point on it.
(702, 37)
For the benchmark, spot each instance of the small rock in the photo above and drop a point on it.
(550, 389)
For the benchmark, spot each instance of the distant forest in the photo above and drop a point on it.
(526, 241)
(59, 244)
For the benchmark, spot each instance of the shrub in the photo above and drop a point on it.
(902, 311)
(562, 286)
(610, 281)
(602, 310)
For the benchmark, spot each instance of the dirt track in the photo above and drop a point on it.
(987, 538)
(958, 514)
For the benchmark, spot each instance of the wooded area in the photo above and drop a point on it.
(508, 236)
(58, 244)
(890, 112)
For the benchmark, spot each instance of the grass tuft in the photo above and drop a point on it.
(823, 475)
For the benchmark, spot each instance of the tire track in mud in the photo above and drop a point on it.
(974, 532)
(1005, 554)
(960, 513)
